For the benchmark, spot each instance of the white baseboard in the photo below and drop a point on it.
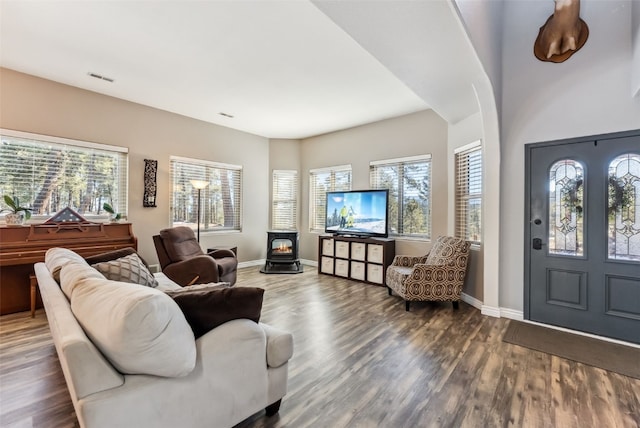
(309, 262)
(511, 314)
(471, 300)
(491, 311)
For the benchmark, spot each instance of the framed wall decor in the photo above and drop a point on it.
(150, 183)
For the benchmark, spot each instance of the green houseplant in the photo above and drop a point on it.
(17, 214)
(114, 215)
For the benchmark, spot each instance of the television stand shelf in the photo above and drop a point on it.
(357, 258)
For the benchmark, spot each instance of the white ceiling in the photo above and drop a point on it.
(283, 69)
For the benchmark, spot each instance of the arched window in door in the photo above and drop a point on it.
(624, 208)
(566, 201)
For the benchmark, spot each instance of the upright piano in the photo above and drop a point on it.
(22, 246)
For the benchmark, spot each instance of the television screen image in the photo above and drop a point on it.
(357, 212)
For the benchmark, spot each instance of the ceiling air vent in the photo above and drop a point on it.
(98, 76)
(226, 115)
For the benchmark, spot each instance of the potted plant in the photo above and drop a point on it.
(114, 215)
(17, 214)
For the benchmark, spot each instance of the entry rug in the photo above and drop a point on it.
(613, 357)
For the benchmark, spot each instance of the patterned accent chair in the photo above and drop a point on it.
(438, 276)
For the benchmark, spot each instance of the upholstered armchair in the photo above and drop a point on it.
(184, 262)
(438, 276)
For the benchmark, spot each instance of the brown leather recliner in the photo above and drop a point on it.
(184, 262)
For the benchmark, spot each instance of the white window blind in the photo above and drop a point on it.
(409, 183)
(284, 207)
(321, 181)
(220, 200)
(49, 173)
(468, 194)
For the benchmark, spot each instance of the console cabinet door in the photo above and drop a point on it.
(358, 251)
(342, 267)
(374, 273)
(327, 247)
(342, 249)
(357, 271)
(327, 265)
(375, 253)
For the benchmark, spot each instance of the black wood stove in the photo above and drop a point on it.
(282, 252)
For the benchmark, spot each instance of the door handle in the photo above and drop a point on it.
(537, 244)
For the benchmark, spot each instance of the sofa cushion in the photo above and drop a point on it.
(205, 309)
(140, 330)
(57, 257)
(129, 268)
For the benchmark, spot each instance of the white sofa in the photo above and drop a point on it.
(217, 380)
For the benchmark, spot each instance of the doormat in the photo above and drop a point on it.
(586, 350)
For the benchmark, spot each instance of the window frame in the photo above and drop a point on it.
(315, 203)
(279, 200)
(463, 196)
(210, 165)
(67, 145)
(401, 163)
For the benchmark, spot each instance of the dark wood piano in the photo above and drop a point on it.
(21, 247)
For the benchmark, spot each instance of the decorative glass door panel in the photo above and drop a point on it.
(624, 208)
(566, 199)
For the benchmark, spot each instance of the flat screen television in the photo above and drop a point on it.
(358, 213)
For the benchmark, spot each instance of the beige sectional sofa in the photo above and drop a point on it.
(130, 358)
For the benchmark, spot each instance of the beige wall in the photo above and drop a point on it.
(414, 134)
(40, 106)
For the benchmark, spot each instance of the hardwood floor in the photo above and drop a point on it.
(360, 360)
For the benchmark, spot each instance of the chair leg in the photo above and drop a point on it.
(455, 304)
(406, 305)
(389, 290)
(273, 408)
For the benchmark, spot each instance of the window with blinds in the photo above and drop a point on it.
(220, 199)
(321, 181)
(468, 193)
(409, 183)
(49, 174)
(284, 206)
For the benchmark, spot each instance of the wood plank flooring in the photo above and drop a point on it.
(360, 360)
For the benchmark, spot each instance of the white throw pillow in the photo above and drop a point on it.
(140, 330)
(73, 273)
(57, 257)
